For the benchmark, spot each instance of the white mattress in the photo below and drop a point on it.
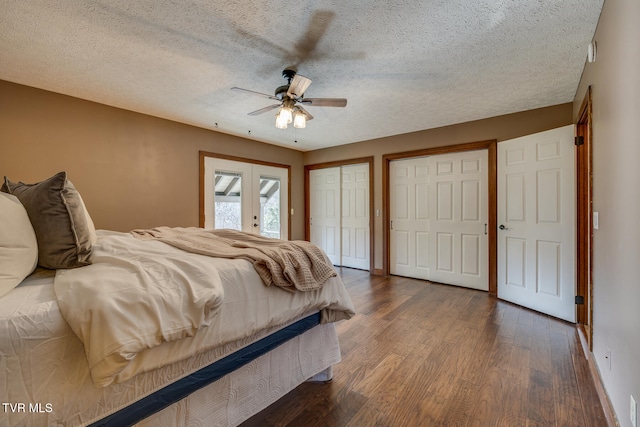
(46, 368)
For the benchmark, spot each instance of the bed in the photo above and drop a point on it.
(241, 348)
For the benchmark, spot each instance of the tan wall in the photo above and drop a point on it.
(137, 171)
(500, 128)
(133, 170)
(615, 82)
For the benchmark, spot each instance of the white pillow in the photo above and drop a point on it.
(18, 245)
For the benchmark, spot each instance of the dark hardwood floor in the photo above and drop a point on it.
(423, 354)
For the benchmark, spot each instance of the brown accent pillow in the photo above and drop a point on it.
(58, 217)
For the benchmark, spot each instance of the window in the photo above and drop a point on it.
(228, 200)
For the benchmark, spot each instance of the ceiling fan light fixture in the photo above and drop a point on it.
(284, 117)
(285, 114)
(281, 121)
(299, 119)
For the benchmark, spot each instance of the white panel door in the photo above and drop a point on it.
(409, 213)
(536, 217)
(324, 186)
(459, 212)
(355, 216)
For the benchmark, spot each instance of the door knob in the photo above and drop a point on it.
(502, 227)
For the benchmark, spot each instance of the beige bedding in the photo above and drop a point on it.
(291, 265)
(144, 304)
(134, 296)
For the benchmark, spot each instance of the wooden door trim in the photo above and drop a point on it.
(584, 226)
(204, 154)
(307, 197)
(492, 177)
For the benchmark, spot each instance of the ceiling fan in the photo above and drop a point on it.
(291, 100)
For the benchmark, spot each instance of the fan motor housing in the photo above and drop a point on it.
(281, 92)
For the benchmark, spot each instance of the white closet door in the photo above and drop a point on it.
(536, 213)
(438, 212)
(324, 186)
(409, 213)
(459, 212)
(355, 216)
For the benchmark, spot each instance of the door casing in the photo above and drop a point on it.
(584, 213)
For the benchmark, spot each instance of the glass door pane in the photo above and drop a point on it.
(270, 207)
(228, 200)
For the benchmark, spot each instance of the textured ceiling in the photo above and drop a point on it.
(404, 65)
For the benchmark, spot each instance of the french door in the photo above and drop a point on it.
(245, 196)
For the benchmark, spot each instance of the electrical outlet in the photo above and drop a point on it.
(633, 412)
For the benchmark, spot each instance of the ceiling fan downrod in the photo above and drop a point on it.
(288, 74)
(281, 91)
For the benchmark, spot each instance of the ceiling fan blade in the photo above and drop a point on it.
(305, 48)
(254, 92)
(306, 113)
(298, 85)
(264, 110)
(324, 102)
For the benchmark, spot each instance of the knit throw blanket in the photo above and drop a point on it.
(291, 265)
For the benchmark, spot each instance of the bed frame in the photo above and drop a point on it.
(182, 388)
